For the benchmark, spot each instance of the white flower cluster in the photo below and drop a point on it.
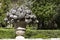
(21, 12)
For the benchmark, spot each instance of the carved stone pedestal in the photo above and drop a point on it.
(20, 32)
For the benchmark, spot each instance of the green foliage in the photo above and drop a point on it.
(45, 10)
(7, 33)
(57, 16)
(42, 34)
(4, 8)
(10, 33)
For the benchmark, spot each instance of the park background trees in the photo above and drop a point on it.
(45, 10)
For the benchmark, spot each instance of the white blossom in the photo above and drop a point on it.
(11, 16)
(15, 17)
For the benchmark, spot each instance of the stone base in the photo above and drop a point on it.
(20, 37)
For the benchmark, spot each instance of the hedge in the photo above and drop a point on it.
(42, 34)
(10, 33)
(7, 33)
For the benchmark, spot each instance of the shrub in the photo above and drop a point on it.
(10, 33)
(7, 33)
(42, 34)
